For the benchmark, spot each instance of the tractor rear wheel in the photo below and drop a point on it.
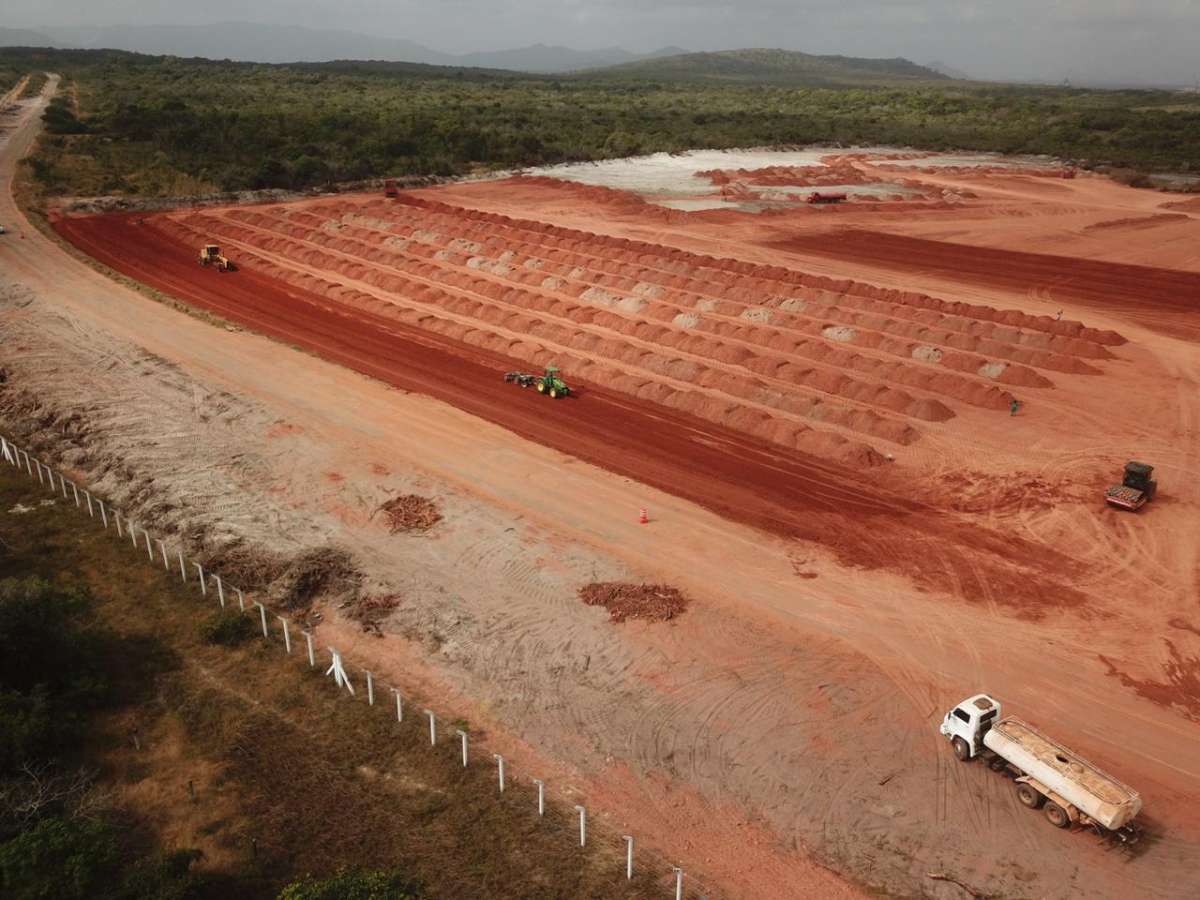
(553, 393)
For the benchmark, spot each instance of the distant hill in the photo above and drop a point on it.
(24, 37)
(948, 71)
(775, 66)
(250, 42)
(546, 59)
(245, 42)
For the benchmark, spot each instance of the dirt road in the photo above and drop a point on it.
(791, 714)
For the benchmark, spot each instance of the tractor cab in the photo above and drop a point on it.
(1137, 476)
(210, 252)
(551, 384)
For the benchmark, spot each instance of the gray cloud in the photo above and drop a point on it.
(1152, 41)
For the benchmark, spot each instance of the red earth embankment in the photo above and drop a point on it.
(1163, 300)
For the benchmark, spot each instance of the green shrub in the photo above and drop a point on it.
(355, 885)
(59, 859)
(51, 670)
(227, 628)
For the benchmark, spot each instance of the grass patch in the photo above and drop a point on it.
(233, 749)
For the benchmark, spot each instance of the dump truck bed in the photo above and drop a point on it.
(1125, 497)
(1091, 790)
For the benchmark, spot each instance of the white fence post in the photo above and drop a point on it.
(287, 636)
(399, 706)
(149, 549)
(312, 660)
(28, 467)
(499, 769)
(62, 483)
(163, 547)
(182, 568)
(89, 503)
(220, 590)
(628, 857)
(75, 492)
(582, 826)
(370, 690)
(103, 514)
(41, 480)
(117, 519)
(241, 599)
(678, 882)
(462, 734)
(541, 796)
(262, 612)
(203, 586)
(132, 529)
(432, 727)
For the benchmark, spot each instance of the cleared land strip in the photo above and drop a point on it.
(747, 480)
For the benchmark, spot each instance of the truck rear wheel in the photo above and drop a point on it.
(1057, 815)
(1029, 796)
(961, 749)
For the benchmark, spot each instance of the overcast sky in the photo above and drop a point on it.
(1148, 41)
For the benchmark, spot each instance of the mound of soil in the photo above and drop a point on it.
(410, 512)
(651, 602)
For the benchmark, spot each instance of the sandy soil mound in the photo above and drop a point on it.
(650, 602)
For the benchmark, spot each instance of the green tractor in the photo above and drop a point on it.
(551, 384)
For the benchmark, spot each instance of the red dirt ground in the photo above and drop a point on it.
(741, 477)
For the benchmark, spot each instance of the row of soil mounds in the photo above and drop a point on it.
(355, 240)
(923, 326)
(729, 272)
(796, 326)
(838, 172)
(700, 400)
(746, 346)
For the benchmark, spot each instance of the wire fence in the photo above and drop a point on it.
(211, 585)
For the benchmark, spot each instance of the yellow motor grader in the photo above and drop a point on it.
(210, 255)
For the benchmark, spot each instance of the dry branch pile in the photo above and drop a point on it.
(410, 512)
(652, 602)
(371, 611)
(290, 582)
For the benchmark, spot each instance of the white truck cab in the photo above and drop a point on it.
(967, 723)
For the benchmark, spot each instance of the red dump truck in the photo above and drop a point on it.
(389, 188)
(826, 197)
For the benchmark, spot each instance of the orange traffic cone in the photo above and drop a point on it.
(642, 517)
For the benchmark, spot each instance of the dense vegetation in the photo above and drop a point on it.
(59, 670)
(163, 126)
